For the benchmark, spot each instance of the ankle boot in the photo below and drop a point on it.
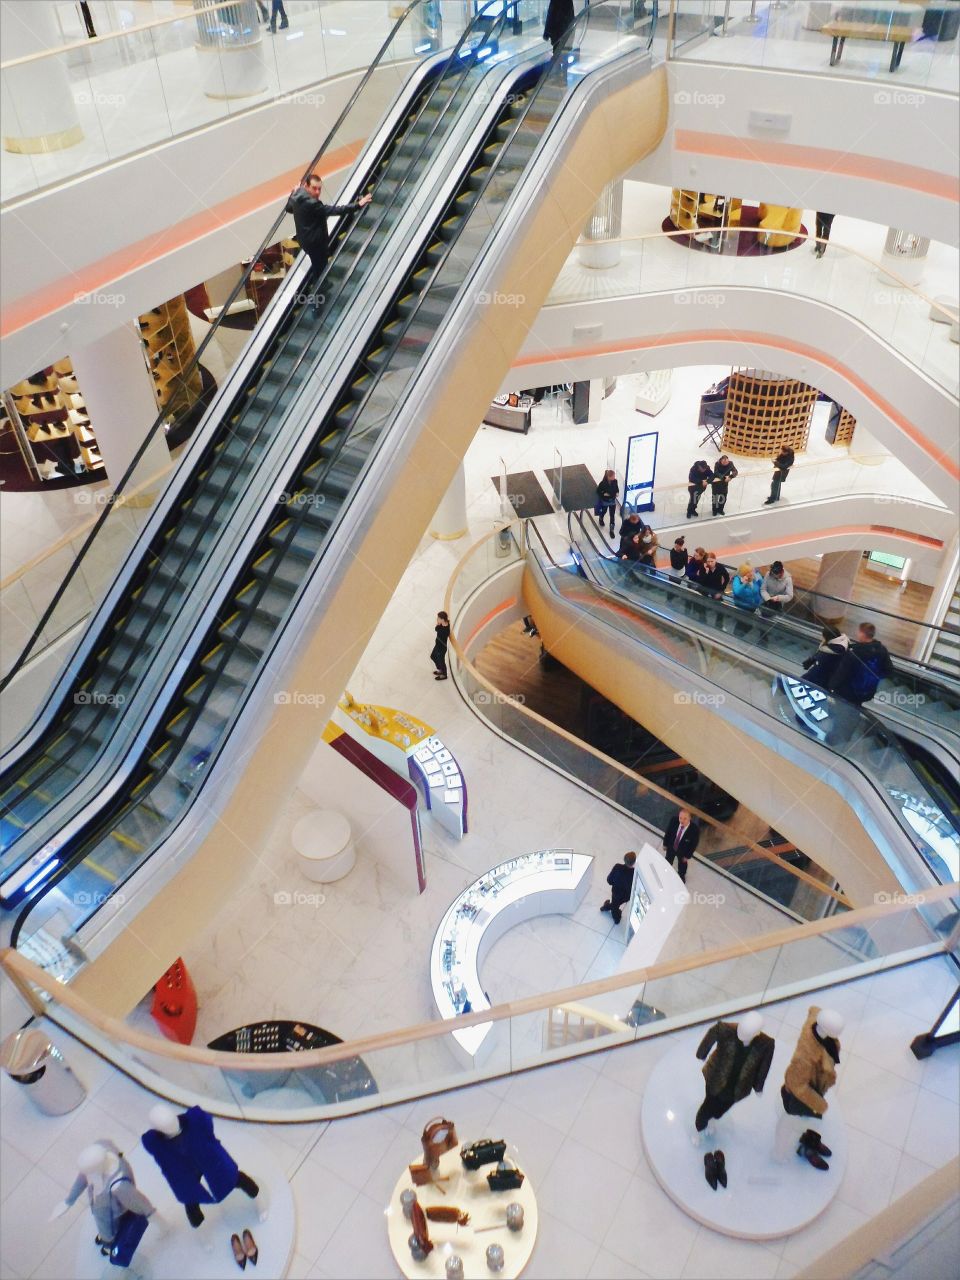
(812, 1157)
(812, 1139)
(720, 1165)
(710, 1169)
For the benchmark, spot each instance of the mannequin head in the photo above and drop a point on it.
(165, 1119)
(830, 1023)
(749, 1026)
(95, 1161)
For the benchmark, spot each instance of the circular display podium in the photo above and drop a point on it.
(763, 1199)
(324, 845)
(466, 1189)
(336, 1082)
(172, 1248)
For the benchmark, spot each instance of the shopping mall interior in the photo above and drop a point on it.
(480, 682)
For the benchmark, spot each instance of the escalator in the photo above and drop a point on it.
(833, 779)
(919, 704)
(235, 649)
(259, 428)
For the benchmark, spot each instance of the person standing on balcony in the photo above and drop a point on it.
(781, 469)
(620, 881)
(607, 491)
(277, 10)
(699, 478)
(723, 473)
(680, 841)
(824, 227)
(310, 216)
(438, 654)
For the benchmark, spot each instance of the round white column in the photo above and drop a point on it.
(39, 112)
(450, 519)
(230, 48)
(838, 572)
(604, 224)
(118, 392)
(905, 254)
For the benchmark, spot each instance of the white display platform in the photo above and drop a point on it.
(173, 1250)
(763, 1199)
(550, 881)
(324, 845)
(468, 1190)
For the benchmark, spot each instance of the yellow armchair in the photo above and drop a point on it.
(779, 224)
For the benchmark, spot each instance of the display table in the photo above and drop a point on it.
(510, 412)
(762, 1199)
(439, 780)
(468, 1190)
(172, 1247)
(548, 882)
(324, 846)
(895, 31)
(337, 1082)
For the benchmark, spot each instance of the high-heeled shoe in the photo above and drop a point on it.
(250, 1248)
(239, 1253)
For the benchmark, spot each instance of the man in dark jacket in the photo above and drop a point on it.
(822, 665)
(680, 841)
(620, 881)
(698, 479)
(723, 473)
(607, 491)
(559, 18)
(781, 469)
(630, 525)
(310, 216)
(862, 667)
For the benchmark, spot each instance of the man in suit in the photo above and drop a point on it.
(680, 841)
(310, 216)
(620, 881)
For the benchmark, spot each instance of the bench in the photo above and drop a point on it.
(899, 35)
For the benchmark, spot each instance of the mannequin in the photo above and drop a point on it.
(119, 1210)
(195, 1164)
(739, 1059)
(812, 1071)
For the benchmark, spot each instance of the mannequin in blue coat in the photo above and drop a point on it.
(196, 1165)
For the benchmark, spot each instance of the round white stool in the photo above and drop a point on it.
(324, 844)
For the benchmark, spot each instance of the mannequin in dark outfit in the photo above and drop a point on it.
(197, 1167)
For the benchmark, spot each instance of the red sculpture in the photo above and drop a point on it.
(174, 1007)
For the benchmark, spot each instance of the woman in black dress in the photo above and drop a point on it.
(438, 654)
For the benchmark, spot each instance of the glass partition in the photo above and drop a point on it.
(358, 1075)
(803, 35)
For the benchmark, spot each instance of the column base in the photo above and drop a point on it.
(45, 142)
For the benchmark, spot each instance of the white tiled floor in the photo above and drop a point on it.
(576, 1126)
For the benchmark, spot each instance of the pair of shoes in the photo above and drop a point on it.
(812, 1156)
(606, 906)
(715, 1169)
(244, 1250)
(813, 1140)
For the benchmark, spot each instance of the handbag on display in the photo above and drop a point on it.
(127, 1233)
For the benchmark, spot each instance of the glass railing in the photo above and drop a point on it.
(929, 699)
(95, 554)
(799, 35)
(132, 89)
(786, 706)
(629, 1007)
(745, 861)
(904, 637)
(894, 311)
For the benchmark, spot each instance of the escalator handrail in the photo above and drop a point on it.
(264, 661)
(159, 422)
(263, 584)
(877, 728)
(925, 671)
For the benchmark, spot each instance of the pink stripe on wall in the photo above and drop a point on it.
(892, 173)
(756, 339)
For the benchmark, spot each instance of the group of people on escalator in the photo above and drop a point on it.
(849, 669)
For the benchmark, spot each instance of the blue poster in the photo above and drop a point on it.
(641, 470)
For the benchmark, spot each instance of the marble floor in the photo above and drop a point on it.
(576, 1126)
